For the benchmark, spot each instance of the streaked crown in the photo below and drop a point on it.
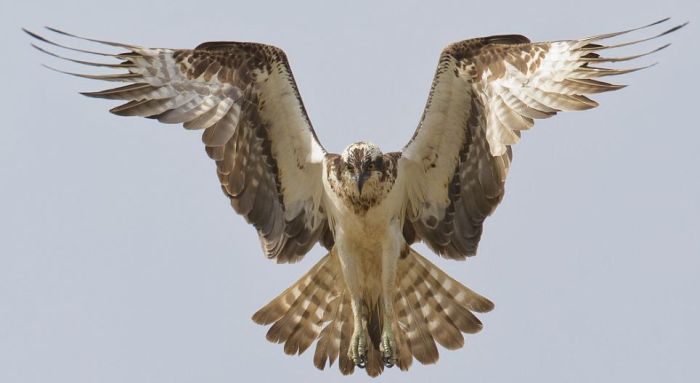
(360, 153)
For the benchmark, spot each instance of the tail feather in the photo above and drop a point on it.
(451, 288)
(328, 344)
(447, 294)
(284, 329)
(279, 306)
(308, 327)
(375, 322)
(419, 337)
(297, 314)
(431, 308)
(346, 366)
(375, 364)
(405, 358)
(327, 337)
(444, 330)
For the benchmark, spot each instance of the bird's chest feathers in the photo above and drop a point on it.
(356, 203)
(366, 232)
(372, 196)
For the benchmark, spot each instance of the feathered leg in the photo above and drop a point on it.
(357, 350)
(390, 255)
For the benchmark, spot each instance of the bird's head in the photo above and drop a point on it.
(362, 164)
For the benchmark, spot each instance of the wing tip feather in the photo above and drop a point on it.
(111, 43)
(47, 41)
(596, 47)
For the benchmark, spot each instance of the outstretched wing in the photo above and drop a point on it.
(255, 127)
(485, 92)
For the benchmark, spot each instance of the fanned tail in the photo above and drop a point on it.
(298, 313)
(431, 308)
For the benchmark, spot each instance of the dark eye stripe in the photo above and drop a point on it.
(379, 163)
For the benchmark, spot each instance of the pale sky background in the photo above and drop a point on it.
(121, 260)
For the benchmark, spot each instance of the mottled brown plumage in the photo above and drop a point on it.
(223, 88)
(372, 301)
(507, 82)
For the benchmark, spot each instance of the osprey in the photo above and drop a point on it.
(372, 301)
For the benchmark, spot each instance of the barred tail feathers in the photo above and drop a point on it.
(431, 308)
(297, 314)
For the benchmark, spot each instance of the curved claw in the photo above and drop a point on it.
(357, 351)
(388, 349)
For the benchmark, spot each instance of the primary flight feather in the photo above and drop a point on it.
(372, 301)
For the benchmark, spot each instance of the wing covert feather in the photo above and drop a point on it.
(255, 127)
(485, 92)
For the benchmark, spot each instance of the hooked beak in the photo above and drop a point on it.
(361, 181)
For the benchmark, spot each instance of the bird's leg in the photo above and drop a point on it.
(357, 352)
(390, 255)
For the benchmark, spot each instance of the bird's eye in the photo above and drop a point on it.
(371, 166)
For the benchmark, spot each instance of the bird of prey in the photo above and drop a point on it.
(371, 302)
